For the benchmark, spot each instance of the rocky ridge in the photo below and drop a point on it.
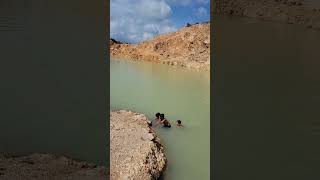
(135, 150)
(187, 47)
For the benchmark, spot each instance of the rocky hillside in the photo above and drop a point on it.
(135, 150)
(187, 47)
(287, 11)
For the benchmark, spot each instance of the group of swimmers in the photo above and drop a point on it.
(160, 119)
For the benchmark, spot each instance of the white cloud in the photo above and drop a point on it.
(153, 9)
(201, 11)
(137, 20)
(147, 35)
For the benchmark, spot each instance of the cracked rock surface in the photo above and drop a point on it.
(135, 150)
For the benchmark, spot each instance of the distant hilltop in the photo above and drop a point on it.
(113, 41)
(188, 24)
(187, 47)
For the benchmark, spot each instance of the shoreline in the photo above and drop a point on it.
(135, 150)
(194, 66)
(205, 68)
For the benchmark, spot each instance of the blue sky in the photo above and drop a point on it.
(137, 20)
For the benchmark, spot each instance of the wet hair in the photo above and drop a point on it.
(179, 121)
(161, 116)
(157, 114)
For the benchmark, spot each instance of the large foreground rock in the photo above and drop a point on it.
(48, 167)
(136, 152)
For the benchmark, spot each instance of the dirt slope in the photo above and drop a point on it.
(187, 47)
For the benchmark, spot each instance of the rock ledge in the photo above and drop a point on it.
(135, 150)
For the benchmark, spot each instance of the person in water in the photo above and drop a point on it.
(157, 116)
(179, 123)
(164, 121)
(157, 120)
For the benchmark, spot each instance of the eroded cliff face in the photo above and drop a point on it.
(135, 150)
(286, 11)
(187, 47)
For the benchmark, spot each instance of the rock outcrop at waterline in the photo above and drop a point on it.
(135, 150)
(287, 11)
(187, 47)
(49, 167)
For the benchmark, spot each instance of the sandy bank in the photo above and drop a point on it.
(49, 167)
(135, 150)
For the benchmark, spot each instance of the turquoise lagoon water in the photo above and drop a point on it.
(179, 94)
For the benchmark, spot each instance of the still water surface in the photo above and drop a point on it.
(180, 94)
